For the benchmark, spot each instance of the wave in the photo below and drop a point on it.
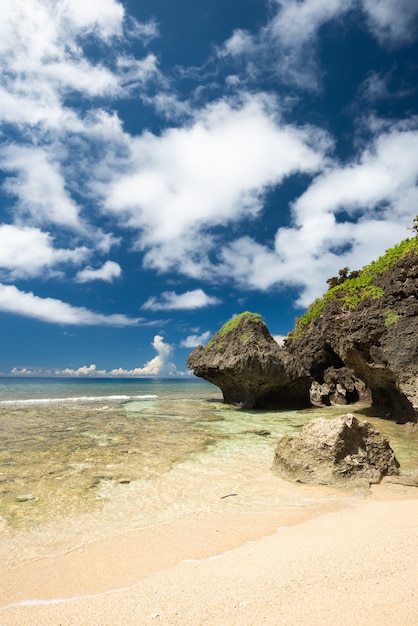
(117, 398)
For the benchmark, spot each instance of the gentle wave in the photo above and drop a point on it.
(77, 399)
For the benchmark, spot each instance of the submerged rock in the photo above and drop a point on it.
(250, 368)
(27, 497)
(341, 450)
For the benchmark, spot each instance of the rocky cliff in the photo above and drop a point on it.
(369, 324)
(360, 340)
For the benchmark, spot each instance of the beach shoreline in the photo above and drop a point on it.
(228, 567)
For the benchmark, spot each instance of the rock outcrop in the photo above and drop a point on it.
(250, 368)
(377, 340)
(358, 343)
(343, 450)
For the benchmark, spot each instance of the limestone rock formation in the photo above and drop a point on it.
(341, 450)
(357, 343)
(377, 339)
(250, 368)
(339, 387)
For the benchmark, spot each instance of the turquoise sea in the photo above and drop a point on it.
(85, 458)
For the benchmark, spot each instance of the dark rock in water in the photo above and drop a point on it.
(341, 450)
(250, 368)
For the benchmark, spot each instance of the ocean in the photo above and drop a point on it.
(84, 458)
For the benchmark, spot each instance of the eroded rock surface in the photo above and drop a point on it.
(250, 368)
(339, 387)
(366, 351)
(377, 341)
(342, 450)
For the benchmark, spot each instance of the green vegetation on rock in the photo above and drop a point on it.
(390, 317)
(231, 325)
(354, 288)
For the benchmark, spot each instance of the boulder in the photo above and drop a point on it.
(250, 368)
(343, 450)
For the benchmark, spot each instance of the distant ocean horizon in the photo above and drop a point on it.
(27, 388)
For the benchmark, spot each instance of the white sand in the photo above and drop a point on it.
(357, 565)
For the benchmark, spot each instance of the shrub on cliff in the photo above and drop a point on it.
(354, 288)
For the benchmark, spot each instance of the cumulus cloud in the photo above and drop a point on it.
(40, 52)
(50, 137)
(84, 370)
(215, 171)
(39, 187)
(26, 252)
(42, 55)
(196, 340)
(160, 365)
(12, 300)
(183, 192)
(107, 272)
(169, 300)
(349, 214)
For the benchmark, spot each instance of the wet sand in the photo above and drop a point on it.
(348, 563)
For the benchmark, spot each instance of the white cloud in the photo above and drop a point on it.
(288, 43)
(294, 33)
(160, 365)
(42, 57)
(392, 22)
(84, 370)
(196, 340)
(134, 72)
(385, 172)
(39, 187)
(215, 171)
(26, 252)
(169, 300)
(378, 190)
(107, 272)
(240, 42)
(51, 310)
(102, 16)
(279, 339)
(375, 87)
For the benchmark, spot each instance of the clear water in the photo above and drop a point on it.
(82, 458)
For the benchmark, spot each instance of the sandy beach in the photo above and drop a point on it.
(351, 564)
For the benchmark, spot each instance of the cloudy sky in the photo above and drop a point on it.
(166, 165)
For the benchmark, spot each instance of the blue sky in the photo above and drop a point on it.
(166, 165)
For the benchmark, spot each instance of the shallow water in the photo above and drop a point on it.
(83, 459)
